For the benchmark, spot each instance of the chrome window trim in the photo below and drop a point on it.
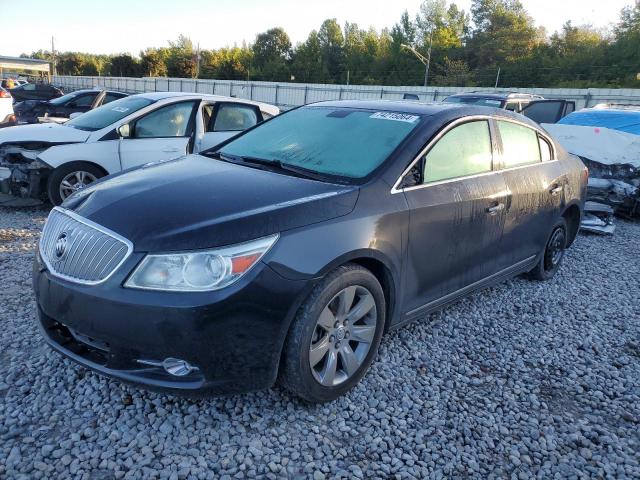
(495, 167)
(95, 226)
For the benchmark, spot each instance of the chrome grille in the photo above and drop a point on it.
(79, 250)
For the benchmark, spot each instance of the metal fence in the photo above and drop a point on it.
(288, 95)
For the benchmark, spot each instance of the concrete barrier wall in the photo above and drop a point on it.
(288, 95)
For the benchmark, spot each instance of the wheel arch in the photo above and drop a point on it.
(572, 215)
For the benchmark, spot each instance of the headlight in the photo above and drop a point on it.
(199, 271)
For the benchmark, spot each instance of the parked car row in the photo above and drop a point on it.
(57, 160)
(222, 252)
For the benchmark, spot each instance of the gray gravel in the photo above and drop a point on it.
(522, 380)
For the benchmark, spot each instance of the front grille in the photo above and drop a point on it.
(79, 250)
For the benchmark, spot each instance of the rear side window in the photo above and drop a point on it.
(520, 144)
(545, 150)
(234, 118)
(83, 100)
(465, 150)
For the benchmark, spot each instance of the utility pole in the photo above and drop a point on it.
(426, 61)
(348, 72)
(198, 61)
(53, 55)
(497, 78)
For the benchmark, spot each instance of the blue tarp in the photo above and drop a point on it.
(622, 120)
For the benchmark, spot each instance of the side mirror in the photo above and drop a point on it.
(124, 130)
(74, 115)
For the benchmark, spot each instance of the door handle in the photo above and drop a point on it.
(495, 209)
(556, 190)
(170, 149)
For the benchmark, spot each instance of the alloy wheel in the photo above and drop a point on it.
(343, 335)
(75, 181)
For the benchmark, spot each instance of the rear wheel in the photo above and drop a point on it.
(553, 253)
(335, 336)
(69, 178)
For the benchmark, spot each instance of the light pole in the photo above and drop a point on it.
(426, 61)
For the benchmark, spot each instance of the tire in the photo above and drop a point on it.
(359, 340)
(553, 253)
(90, 173)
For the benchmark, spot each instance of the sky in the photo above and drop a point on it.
(119, 26)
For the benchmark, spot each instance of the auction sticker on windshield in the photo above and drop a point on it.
(398, 117)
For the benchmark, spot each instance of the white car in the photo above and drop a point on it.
(6, 108)
(149, 127)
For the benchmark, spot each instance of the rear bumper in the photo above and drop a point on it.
(234, 337)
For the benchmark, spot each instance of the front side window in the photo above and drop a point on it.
(342, 142)
(463, 151)
(168, 121)
(110, 97)
(519, 144)
(234, 118)
(106, 115)
(83, 100)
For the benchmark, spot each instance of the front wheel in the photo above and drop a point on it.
(335, 335)
(553, 253)
(69, 178)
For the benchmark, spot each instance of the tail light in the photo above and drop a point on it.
(4, 94)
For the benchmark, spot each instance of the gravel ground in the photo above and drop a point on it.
(522, 380)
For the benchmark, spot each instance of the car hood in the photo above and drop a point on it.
(197, 202)
(44, 132)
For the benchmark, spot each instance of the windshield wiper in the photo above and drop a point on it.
(272, 165)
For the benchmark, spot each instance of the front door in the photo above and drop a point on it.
(223, 120)
(456, 216)
(163, 134)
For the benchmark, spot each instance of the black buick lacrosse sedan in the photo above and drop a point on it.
(289, 251)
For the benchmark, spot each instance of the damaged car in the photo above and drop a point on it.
(289, 251)
(53, 161)
(62, 108)
(607, 139)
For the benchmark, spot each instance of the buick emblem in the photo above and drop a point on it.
(61, 245)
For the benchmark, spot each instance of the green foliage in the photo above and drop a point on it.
(465, 49)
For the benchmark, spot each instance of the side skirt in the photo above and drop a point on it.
(438, 304)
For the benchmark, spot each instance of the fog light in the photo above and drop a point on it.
(177, 367)
(173, 366)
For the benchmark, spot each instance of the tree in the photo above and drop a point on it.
(153, 62)
(307, 60)
(331, 47)
(504, 32)
(271, 55)
(181, 60)
(124, 66)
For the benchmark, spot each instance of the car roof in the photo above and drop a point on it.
(497, 95)
(157, 96)
(439, 112)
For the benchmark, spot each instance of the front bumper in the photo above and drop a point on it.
(233, 336)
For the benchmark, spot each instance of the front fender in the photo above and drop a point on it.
(102, 153)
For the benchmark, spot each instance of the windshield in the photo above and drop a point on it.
(485, 102)
(63, 99)
(343, 142)
(106, 115)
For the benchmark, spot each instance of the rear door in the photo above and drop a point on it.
(456, 214)
(548, 111)
(223, 120)
(536, 181)
(163, 134)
